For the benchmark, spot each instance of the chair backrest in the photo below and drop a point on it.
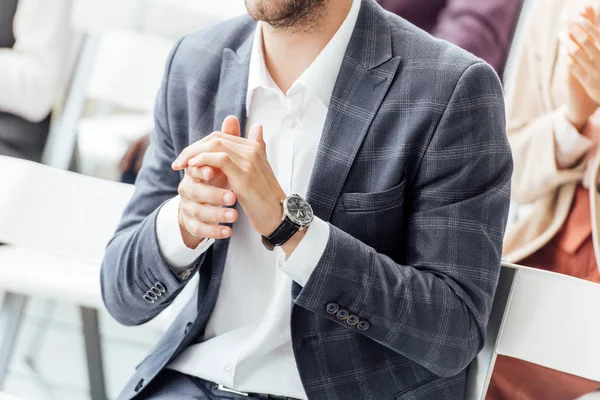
(4, 396)
(58, 211)
(119, 68)
(128, 70)
(191, 15)
(60, 144)
(97, 16)
(544, 320)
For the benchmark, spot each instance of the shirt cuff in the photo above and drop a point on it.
(303, 261)
(170, 242)
(571, 146)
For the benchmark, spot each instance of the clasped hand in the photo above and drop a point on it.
(220, 170)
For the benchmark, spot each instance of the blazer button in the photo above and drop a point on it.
(332, 308)
(139, 385)
(352, 320)
(363, 325)
(342, 314)
(188, 327)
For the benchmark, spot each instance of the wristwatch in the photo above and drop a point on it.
(297, 215)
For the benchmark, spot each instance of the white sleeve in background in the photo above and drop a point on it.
(303, 261)
(176, 253)
(571, 146)
(33, 71)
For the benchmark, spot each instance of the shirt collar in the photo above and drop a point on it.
(320, 77)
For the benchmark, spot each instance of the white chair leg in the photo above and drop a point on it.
(36, 343)
(11, 314)
(93, 352)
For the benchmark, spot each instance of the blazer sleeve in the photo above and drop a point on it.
(434, 308)
(530, 126)
(484, 28)
(133, 265)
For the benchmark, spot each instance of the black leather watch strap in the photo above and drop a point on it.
(282, 234)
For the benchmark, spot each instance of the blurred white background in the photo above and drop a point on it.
(119, 52)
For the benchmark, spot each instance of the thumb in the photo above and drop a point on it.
(256, 134)
(231, 126)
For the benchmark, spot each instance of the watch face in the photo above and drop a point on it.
(298, 210)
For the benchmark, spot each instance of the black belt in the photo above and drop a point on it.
(251, 395)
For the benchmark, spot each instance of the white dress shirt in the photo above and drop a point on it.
(247, 343)
(32, 72)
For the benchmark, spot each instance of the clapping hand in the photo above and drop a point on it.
(204, 194)
(583, 46)
(243, 163)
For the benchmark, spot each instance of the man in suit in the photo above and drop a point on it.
(343, 184)
(485, 28)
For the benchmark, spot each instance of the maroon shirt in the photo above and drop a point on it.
(483, 27)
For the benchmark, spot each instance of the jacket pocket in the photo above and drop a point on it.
(375, 218)
(374, 201)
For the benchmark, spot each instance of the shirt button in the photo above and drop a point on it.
(292, 124)
(227, 370)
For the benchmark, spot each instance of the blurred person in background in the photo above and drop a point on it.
(131, 163)
(34, 46)
(483, 27)
(554, 128)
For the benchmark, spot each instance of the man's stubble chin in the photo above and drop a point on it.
(287, 14)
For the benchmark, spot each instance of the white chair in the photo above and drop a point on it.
(110, 102)
(56, 224)
(191, 15)
(123, 84)
(4, 396)
(97, 16)
(540, 317)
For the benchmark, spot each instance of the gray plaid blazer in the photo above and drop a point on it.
(413, 174)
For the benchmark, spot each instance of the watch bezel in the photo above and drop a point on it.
(287, 214)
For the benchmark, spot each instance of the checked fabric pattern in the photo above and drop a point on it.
(413, 174)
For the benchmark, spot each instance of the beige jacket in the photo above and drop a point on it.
(534, 98)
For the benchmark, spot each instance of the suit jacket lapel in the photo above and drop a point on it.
(364, 79)
(230, 99)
